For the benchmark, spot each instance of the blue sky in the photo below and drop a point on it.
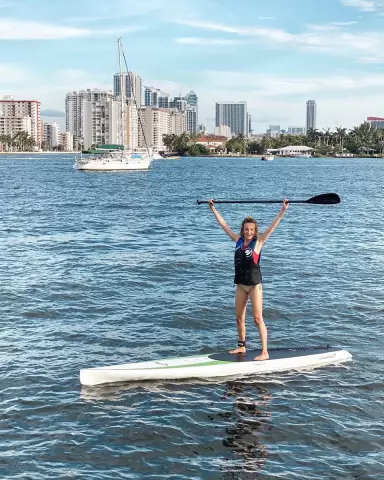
(275, 54)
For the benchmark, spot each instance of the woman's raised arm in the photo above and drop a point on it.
(222, 222)
(265, 235)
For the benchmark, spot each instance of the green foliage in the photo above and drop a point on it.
(362, 140)
(19, 142)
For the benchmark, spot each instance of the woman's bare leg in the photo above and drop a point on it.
(241, 300)
(256, 296)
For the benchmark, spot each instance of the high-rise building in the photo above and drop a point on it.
(311, 115)
(192, 112)
(274, 131)
(223, 131)
(296, 130)
(377, 122)
(100, 122)
(74, 111)
(178, 122)
(203, 129)
(156, 122)
(66, 141)
(250, 131)
(233, 114)
(153, 97)
(20, 115)
(51, 135)
(132, 86)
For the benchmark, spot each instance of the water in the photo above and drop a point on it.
(104, 268)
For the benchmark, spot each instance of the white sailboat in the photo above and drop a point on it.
(128, 158)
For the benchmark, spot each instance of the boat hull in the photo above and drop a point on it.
(113, 164)
(215, 365)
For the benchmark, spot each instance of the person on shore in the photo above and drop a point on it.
(247, 274)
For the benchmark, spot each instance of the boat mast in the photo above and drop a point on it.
(122, 95)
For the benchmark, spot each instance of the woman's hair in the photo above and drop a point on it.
(249, 220)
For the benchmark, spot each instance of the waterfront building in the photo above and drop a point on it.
(376, 122)
(155, 122)
(233, 114)
(66, 141)
(178, 122)
(296, 130)
(100, 122)
(51, 135)
(223, 131)
(20, 115)
(311, 115)
(132, 86)
(213, 142)
(74, 112)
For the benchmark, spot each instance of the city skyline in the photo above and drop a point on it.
(299, 51)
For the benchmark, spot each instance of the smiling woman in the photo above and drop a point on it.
(248, 276)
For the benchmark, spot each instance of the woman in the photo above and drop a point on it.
(247, 274)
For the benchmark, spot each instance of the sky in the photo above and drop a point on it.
(274, 54)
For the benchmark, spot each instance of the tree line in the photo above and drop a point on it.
(19, 142)
(364, 140)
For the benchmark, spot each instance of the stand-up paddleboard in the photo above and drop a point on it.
(216, 365)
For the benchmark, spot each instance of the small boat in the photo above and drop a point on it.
(267, 157)
(217, 365)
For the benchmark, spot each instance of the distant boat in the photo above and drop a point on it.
(267, 157)
(118, 157)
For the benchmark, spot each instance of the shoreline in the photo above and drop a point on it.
(39, 153)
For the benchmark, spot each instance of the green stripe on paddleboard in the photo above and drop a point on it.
(203, 364)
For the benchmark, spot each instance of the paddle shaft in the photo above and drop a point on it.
(251, 201)
(323, 199)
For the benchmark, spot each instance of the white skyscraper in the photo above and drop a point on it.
(133, 86)
(100, 122)
(156, 123)
(311, 115)
(74, 111)
(234, 115)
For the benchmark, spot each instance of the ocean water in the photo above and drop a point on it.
(109, 268)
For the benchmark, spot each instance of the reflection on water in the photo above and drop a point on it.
(249, 416)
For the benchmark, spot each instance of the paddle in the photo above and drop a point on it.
(323, 199)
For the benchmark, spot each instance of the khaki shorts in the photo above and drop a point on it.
(248, 288)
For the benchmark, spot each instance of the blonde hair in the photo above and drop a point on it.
(249, 220)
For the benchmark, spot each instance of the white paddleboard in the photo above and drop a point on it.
(216, 365)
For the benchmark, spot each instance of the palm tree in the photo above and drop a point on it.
(341, 134)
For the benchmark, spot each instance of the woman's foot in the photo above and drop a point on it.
(238, 350)
(262, 356)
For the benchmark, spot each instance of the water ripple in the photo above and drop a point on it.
(102, 269)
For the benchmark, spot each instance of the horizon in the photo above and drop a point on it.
(274, 56)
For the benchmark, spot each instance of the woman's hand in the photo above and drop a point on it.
(211, 203)
(285, 205)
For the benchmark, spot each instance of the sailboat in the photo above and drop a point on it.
(128, 157)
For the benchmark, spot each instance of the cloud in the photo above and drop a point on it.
(330, 38)
(269, 85)
(363, 5)
(208, 41)
(13, 29)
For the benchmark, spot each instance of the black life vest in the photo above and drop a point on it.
(247, 268)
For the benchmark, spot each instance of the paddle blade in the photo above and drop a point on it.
(325, 199)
